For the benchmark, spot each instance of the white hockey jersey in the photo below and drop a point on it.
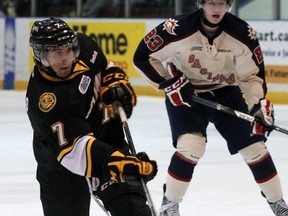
(232, 57)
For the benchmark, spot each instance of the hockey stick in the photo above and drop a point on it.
(235, 113)
(96, 198)
(118, 107)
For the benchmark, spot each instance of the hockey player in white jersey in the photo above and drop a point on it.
(217, 56)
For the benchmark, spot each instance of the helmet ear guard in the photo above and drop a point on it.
(51, 33)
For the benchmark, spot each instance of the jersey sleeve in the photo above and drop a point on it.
(146, 62)
(86, 157)
(159, 45)
(250, 61)
(253, 83)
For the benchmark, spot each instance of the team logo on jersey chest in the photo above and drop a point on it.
(84, 84)
(170, 26)
(47, 101)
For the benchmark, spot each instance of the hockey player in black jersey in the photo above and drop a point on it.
(78, 139)
(217, 56)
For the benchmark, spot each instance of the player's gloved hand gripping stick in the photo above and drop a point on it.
(263, 111)
(120, 111)
(237, 113)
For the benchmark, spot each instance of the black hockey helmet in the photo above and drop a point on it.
(200, 3)
(51, 33)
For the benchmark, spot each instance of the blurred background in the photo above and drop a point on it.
(246, 9)
(118, 26)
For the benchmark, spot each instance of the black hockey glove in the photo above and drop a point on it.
(115, 87)
(179, 90)
(264, 113)
(120, 165)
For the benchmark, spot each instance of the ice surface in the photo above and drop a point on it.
(222, 184)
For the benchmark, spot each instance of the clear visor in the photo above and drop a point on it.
(215, 6)
(54, 55)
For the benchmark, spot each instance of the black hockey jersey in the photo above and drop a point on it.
(67, 115)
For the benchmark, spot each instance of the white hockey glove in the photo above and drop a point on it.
(264, 113)
(179, 90)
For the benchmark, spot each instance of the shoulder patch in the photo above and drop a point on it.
(252, 33)
(170, 26)
(47, 101)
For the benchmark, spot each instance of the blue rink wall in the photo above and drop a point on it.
(119, 38)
